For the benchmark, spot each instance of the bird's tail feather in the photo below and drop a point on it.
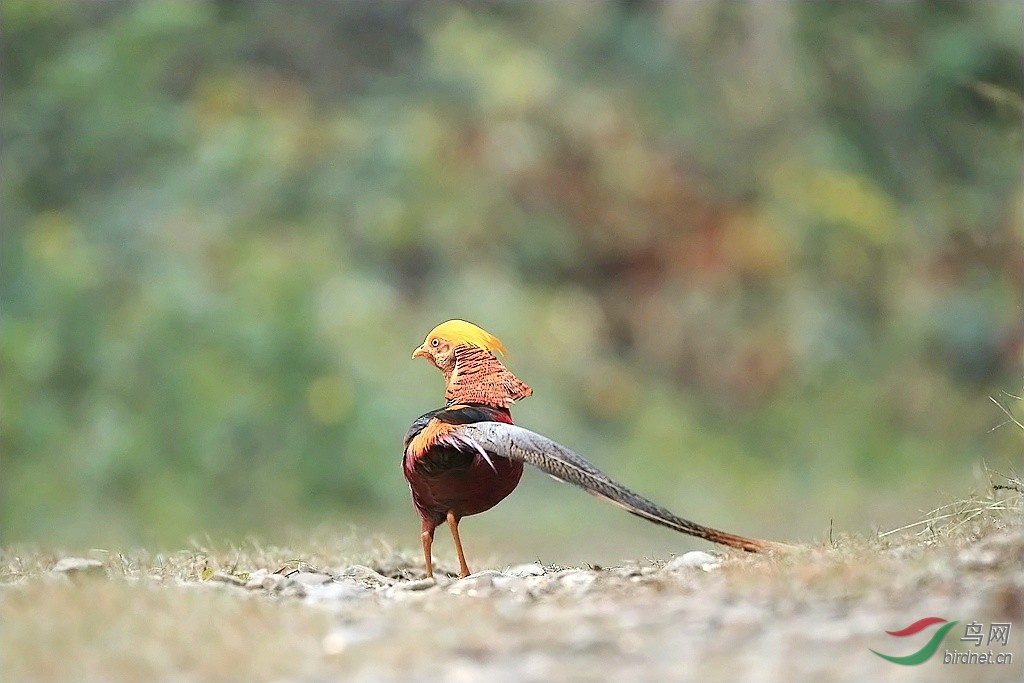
(516, 443)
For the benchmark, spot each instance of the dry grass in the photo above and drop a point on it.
(994, 508)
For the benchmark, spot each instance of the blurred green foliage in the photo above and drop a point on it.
(761, 257)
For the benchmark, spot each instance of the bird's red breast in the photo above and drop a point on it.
(444, 473)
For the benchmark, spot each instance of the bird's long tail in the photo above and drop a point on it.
(516, 443)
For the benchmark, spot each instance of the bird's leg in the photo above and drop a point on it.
(427, 537)
(453, 524)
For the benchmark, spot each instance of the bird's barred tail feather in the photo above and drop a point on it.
(516, 443)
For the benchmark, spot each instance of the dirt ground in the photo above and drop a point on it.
(810, 615)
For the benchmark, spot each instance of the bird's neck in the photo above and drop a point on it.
(477, 376)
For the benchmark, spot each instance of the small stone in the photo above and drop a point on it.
(626, 572)
(255, 581)
(311, 578)
(539, 584)
(337, 591)
(417, 585)
(223, 577)
(406, 589)
(474, 585)
(577, 579)
(695, 559)
(77, 566)
(364, 575)
(295, 590)
(510, 584)
(277, 582)
(531, 569)
(978, 558)
(283, 586)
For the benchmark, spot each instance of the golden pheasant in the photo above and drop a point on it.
(464, 458)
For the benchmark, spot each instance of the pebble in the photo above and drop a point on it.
(577, 579)
(483, 572)
(255, 581)
(407, 589)
(77, 566)
(540, 584)
(625, 572)
(365, 575)
(223, 577)
(336, 592)
(284, 586)
(475, 585)
(531, 569)
(275, 581)
(978, 558)
(311, 578)
(510, 584)
(695, 559)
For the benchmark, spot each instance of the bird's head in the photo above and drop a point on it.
(467, 356)
(441, 342)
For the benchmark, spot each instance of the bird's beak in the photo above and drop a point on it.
(420, 352)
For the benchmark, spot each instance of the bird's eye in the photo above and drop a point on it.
(434, 342)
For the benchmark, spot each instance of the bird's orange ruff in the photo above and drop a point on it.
(480, 378)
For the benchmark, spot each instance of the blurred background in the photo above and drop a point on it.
(761, 261)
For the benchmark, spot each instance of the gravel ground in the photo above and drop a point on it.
(811, 615)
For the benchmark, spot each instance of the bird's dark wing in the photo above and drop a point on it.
(516, 443)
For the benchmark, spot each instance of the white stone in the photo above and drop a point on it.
(78, 565)
(474, 585)
(531, 569)
(695, 559)
(577, 579)
(405, 589)
(223, 577)
(339, 591)
(311, 578)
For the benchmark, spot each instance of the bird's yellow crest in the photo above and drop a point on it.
(459, 332)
